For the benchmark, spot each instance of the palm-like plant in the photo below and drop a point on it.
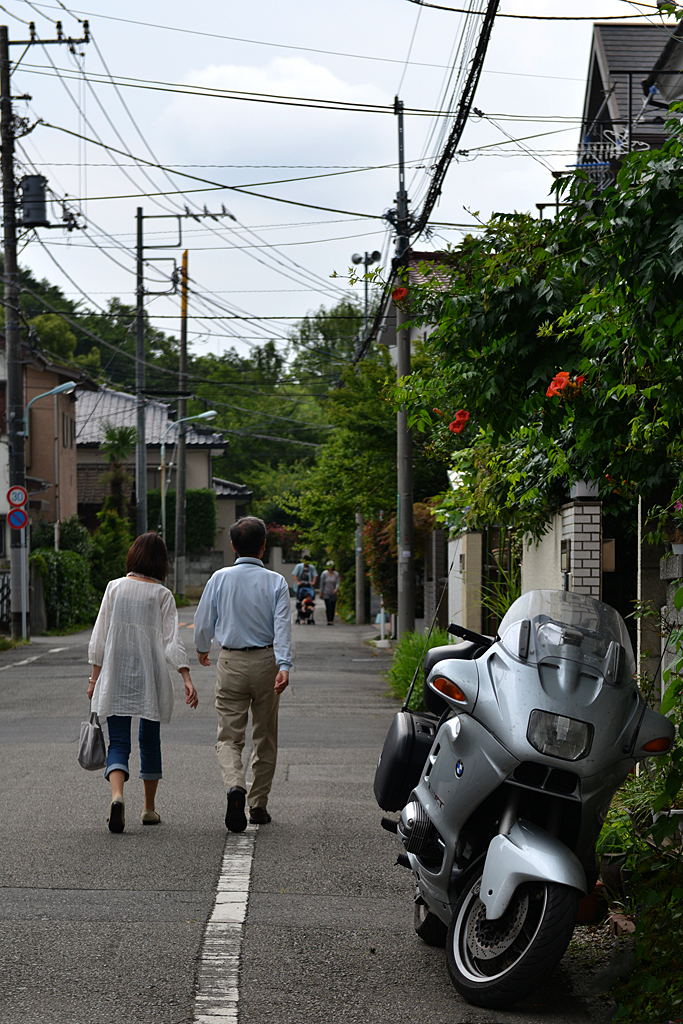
(117, 446)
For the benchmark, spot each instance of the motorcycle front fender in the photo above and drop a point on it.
(527, 854)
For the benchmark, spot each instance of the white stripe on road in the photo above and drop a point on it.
(217, 987)
(26, 661)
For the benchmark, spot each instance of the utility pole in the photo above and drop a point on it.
(15, 374)
(15, 382)
(404, 436)
(360, 571)
(141, 291)
(141, 444)
(181, 472)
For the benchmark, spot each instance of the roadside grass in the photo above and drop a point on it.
(408, 655)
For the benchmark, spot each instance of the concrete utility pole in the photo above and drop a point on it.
(15, 382)
(16, 427)
(404, 437)
(360, 571)
(141, 291)
(181, 472)
(141, 444)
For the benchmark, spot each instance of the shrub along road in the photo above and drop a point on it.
(102, 929)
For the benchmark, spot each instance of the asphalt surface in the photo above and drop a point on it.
(104, 929)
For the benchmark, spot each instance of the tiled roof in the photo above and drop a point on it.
(91, 489)
(95, 409)
(227, 489)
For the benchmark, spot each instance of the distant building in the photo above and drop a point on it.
(203, 444)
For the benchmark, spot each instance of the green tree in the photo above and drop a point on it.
(117, 446)
(592, 299)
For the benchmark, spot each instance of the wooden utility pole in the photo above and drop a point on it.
(181, 472)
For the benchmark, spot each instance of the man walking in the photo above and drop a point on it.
(246, 609)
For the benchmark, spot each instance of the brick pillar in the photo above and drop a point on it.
(582, 527)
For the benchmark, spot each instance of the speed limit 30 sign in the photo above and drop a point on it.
(17, 495)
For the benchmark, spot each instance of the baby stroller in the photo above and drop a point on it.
(305, 606)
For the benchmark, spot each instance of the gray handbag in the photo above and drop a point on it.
(92, 753)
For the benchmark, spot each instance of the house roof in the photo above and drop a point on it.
(94, 410)
(617, 48)
(228, 489)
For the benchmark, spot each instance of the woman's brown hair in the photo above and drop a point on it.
(148, 556)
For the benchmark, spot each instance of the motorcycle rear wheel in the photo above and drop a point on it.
(497, 963)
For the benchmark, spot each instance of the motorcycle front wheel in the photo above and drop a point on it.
(497, 963)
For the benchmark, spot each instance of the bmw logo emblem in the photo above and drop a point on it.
(459, 769)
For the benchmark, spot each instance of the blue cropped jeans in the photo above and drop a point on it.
(119, 746)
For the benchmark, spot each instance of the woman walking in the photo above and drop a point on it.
(134, 642)
(329, 590)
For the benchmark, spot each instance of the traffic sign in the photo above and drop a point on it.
(17, 495)
(17, 518)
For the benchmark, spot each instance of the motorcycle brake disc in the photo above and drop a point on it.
(488, 939)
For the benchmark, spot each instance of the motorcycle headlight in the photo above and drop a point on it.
(557, 736)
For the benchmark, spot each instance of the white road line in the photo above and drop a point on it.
(217, 987)
(25, 661)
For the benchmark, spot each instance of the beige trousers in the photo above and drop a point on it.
(246, 679)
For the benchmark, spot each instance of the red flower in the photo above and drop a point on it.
(558, 383)
(562, 382)
(458, 424)
(399, 293)
(438, 412)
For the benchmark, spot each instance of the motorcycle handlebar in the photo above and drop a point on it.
(469, 634)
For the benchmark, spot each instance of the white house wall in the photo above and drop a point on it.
(541, 566)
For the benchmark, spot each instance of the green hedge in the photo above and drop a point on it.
(407, 656)
(201, 518)
(69, 595)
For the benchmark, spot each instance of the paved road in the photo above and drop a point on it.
(103, 929)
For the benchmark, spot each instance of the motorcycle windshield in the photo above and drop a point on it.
(565, 625)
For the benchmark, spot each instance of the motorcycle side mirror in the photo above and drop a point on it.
(616, 663)
(524, 634)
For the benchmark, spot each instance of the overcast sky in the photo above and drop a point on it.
(276, 259)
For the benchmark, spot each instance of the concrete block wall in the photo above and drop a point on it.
(582, 525)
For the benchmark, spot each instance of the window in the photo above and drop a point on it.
(65, 430)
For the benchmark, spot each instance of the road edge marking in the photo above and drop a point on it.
(217, 992)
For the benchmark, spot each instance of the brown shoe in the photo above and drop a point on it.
(259, 816)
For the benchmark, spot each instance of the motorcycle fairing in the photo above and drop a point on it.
(449, 799)
(527, 854)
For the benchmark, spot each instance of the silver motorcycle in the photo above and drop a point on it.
(503, 786)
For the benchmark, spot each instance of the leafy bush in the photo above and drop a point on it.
(653, 849)
(73, 536)
(407, 657)
(69, 596)
(110, 544)
(201, 518)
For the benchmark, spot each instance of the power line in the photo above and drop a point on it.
(541, 17)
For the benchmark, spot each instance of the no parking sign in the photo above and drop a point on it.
(17, 518)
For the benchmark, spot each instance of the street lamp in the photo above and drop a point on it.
(369, 258)
(61, 389)
(210, 415)
(68, 387)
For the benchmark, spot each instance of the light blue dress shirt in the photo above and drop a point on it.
(246, 605)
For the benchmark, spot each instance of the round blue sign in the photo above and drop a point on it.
(17, 518)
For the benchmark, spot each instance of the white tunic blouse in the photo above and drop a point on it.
(135, 639)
